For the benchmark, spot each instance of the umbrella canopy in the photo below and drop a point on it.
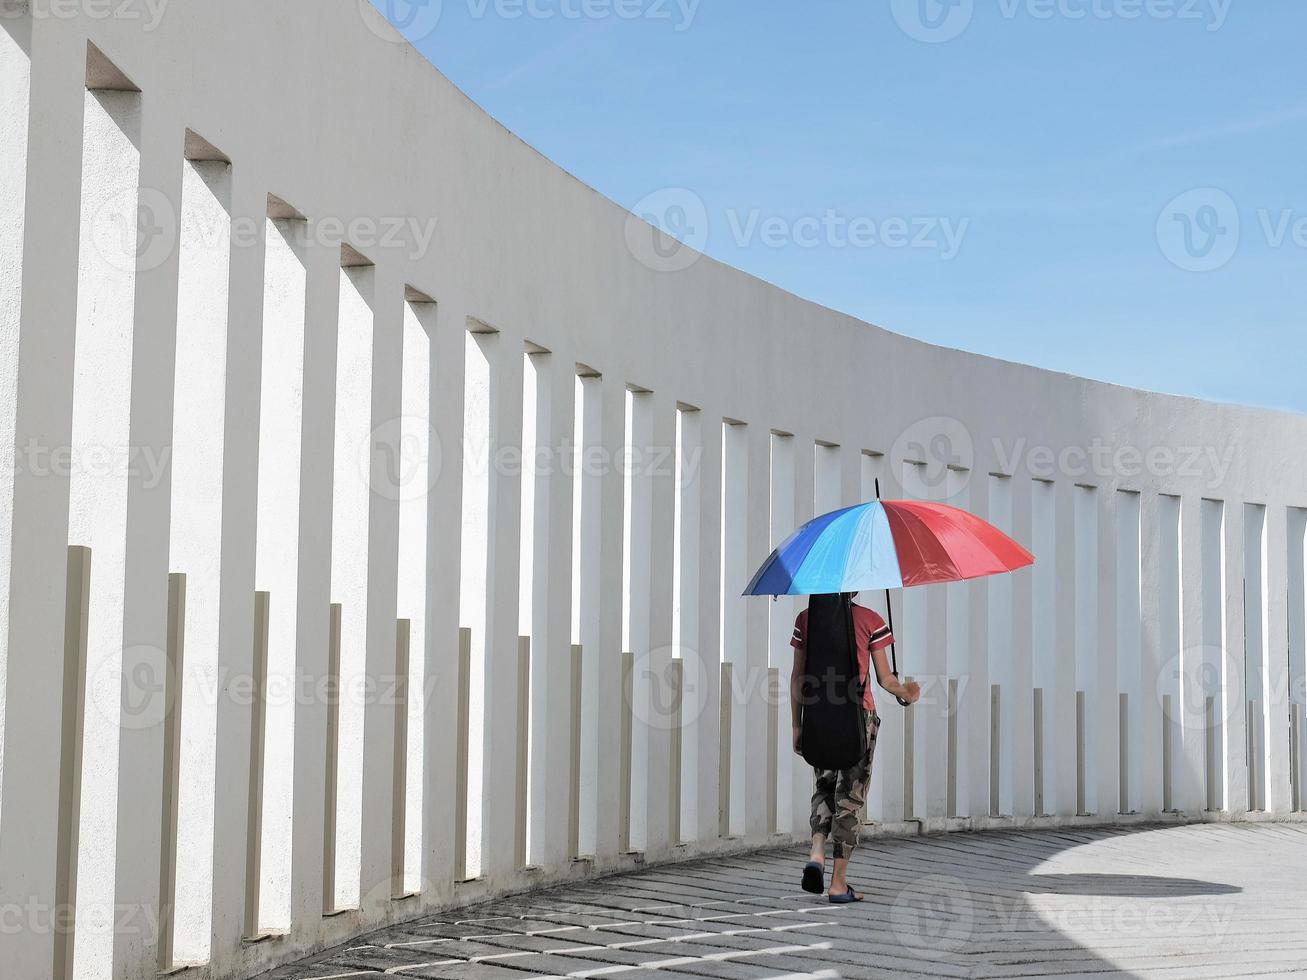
(887, 544)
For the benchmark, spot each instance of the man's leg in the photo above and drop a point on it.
(823, 812)
(850, 797)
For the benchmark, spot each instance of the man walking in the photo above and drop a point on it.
(839, 795)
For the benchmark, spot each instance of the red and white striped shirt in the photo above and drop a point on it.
(870, 633)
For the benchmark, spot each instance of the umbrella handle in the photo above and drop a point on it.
(903, 702)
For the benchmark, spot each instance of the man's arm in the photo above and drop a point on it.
(796, 696)
(909, 692)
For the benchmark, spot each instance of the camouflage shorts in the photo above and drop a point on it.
(839, 796)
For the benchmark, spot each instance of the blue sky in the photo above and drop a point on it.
(1113, 188)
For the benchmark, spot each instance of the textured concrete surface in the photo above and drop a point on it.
(1195, 901)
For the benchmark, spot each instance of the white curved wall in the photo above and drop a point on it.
(1147, 513)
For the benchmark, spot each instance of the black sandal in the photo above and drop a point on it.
(814, 878)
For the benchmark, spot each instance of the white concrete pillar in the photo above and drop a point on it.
(1145, 700)
(1297, 614)
(1234, 683)
(960, 656)
(480, 417)
(1212, 555)
(587, 544)
(974, 695)
(923, 655)
(754, 697)
(1060, 702)
(1087, 642)
(409, 477)
(637, 512)
(1167, 683)
(533, 541)
(373, 458)
(1276, 664)
(1047, 546)
(536, 539)
(781, 627)
(706, 731)
(551, 627)
(734, 505)
(198, 400)
(1000, 641)
(445, 526)
(100, 487)
(1129, 642)
(351, 542)
(280, 366)
(885, 800)
(41, 405)
(696, 658)
(1017, 702)
(308, 896)
(235, 711)
(1104, 658)
(1190, 787)
(499, 786)
(660, 461)
(15, 93)
(606, 656)
(803, 461)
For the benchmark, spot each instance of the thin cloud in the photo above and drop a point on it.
(583, 37)
(1229, 130)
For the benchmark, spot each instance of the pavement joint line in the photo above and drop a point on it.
(686, 905)
(679, 961)
(688, 937)
(597, 947)
(592, 928)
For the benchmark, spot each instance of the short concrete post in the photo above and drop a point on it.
(574, 757)
(909, 760)
(522, 783)
(1299, 763)
(624, 755)
(1123, 754)
(172, 744)
(724, 754)
(1212, 751)
(461, 743)
(951, 792)
(1256, 755)
(1166, 753)
(399, 779)
(258, 745)
(773, 733)
(1082, 774)
(76, 613)
(1038, 734)
(676, 671)
(332, 761)
(995, 749)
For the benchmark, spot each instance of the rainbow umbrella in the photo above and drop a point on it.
(887, 544)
